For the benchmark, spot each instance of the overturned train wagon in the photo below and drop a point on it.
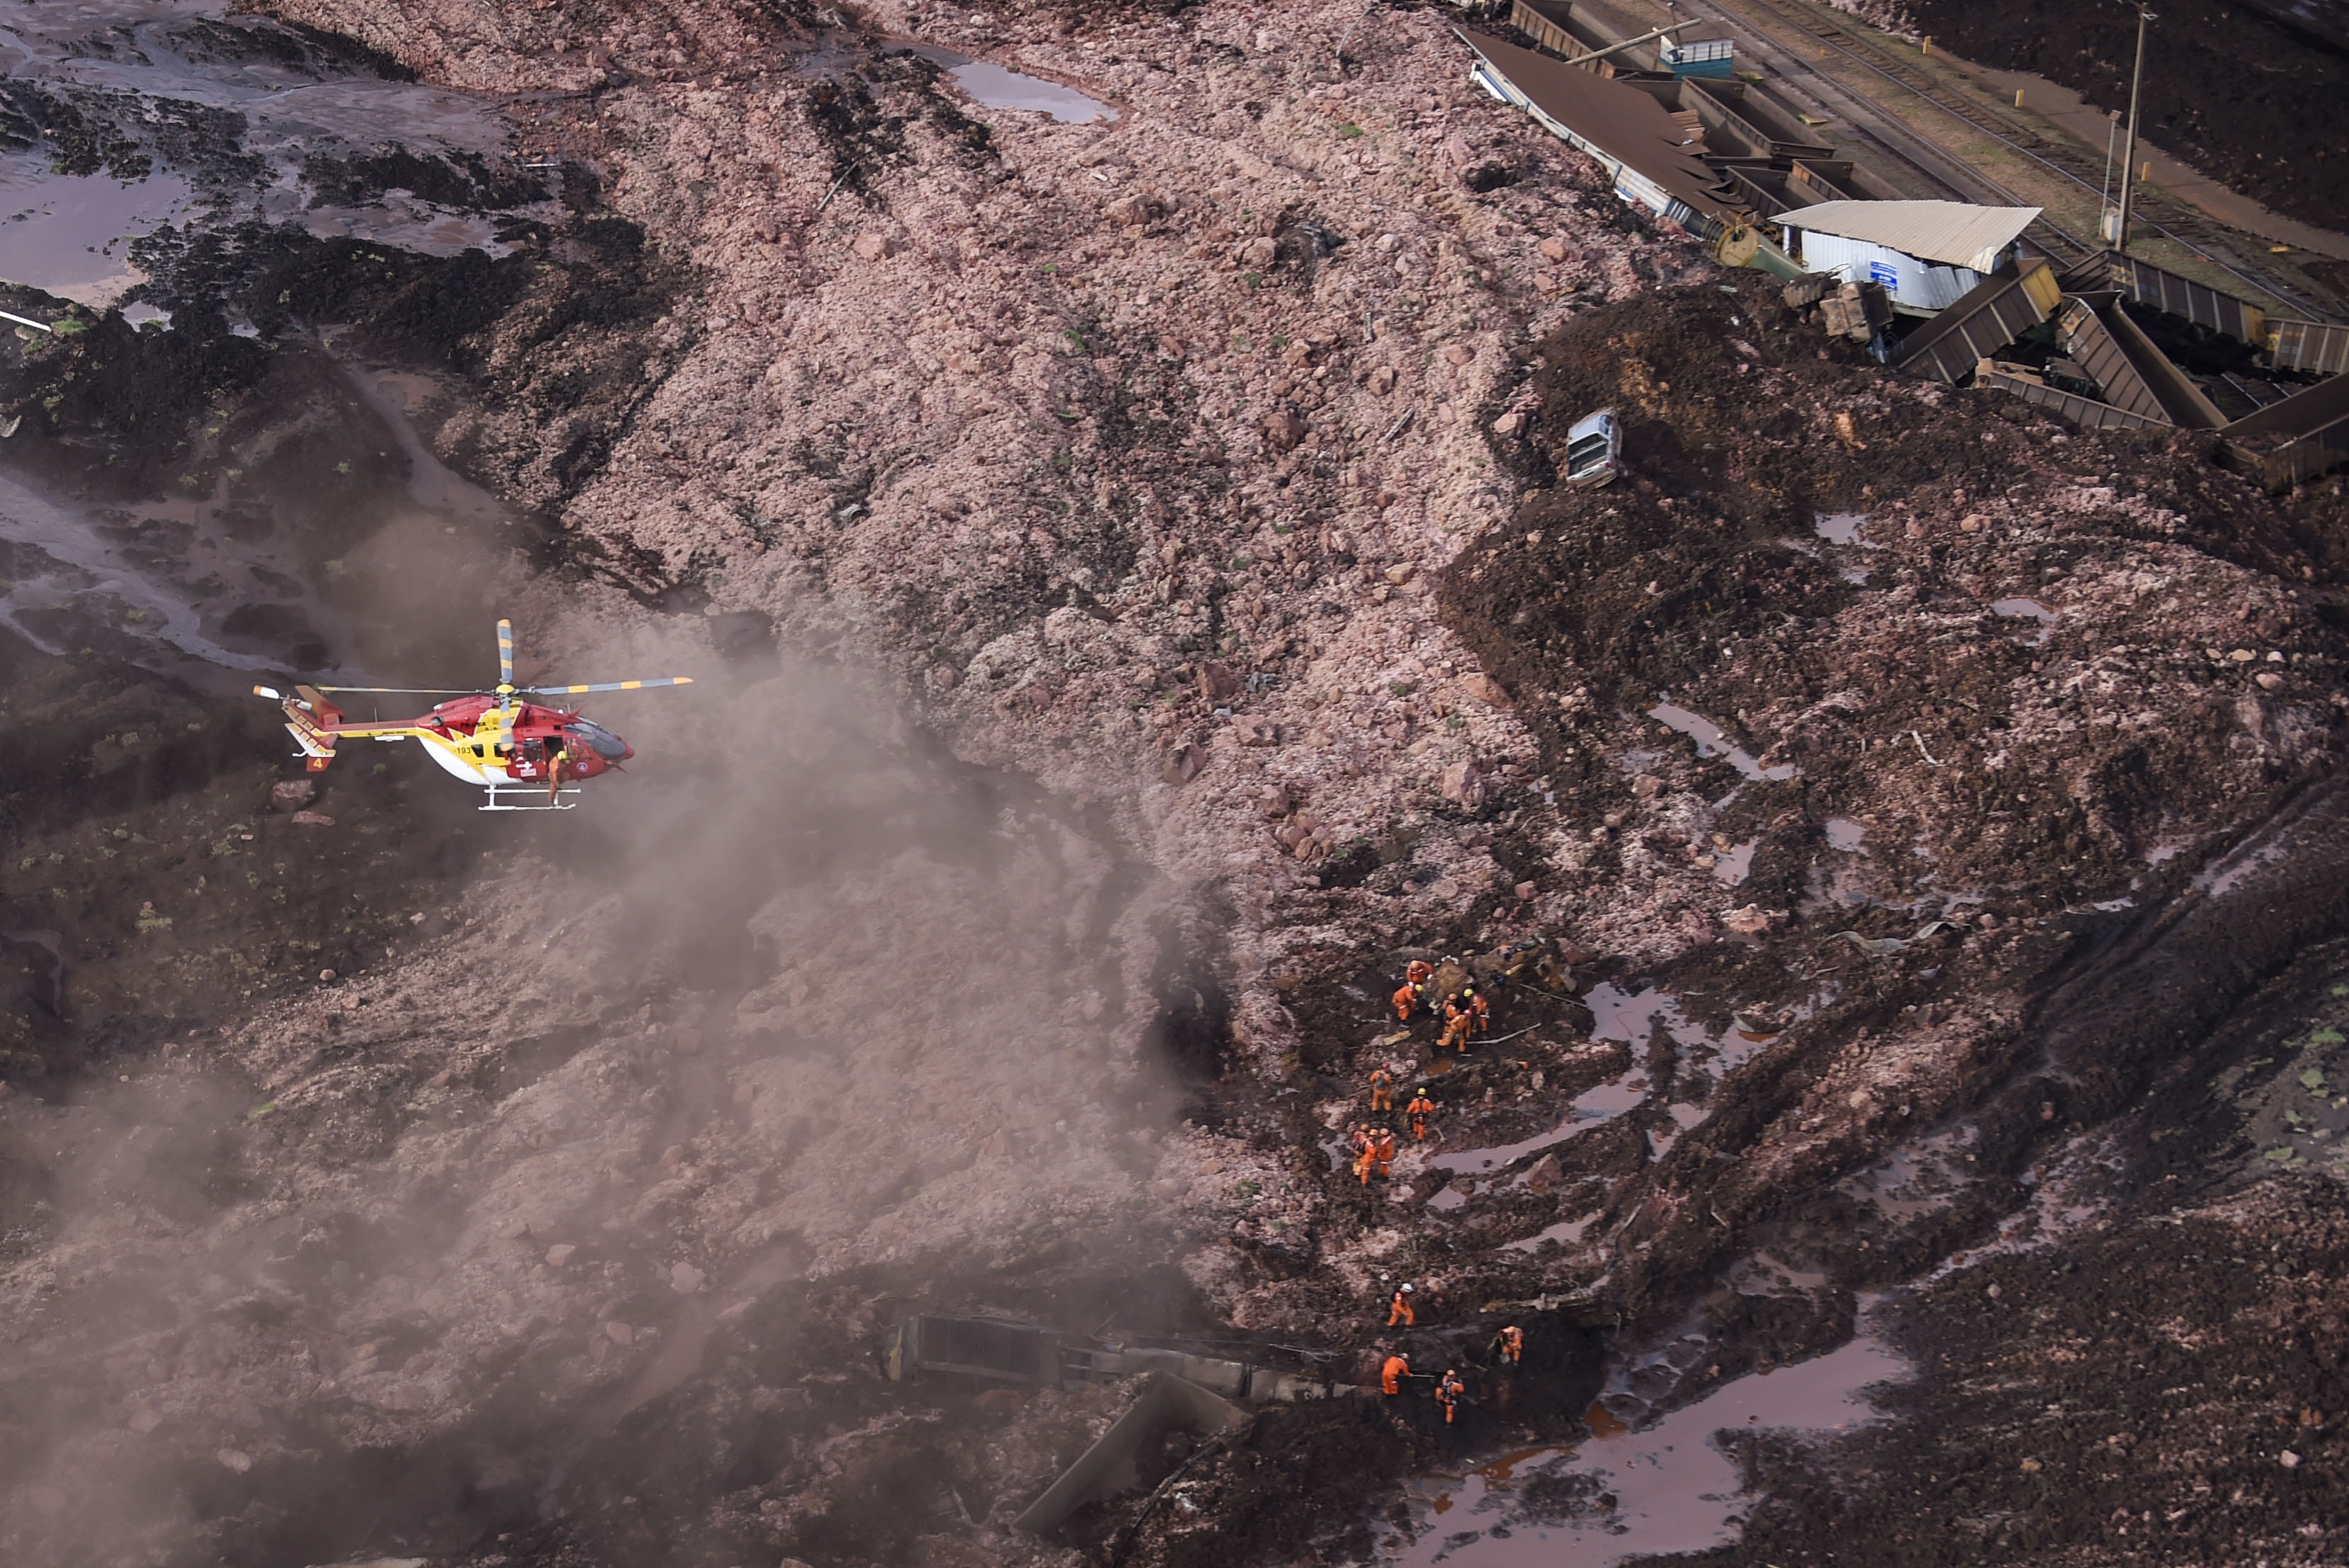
(1036, 1356)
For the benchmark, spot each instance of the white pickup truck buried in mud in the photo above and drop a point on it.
(1592, 450)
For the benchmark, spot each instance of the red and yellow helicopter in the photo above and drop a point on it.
(511, 748)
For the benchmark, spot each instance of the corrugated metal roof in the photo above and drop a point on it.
(1955, 234)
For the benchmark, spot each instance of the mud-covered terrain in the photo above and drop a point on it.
(1133, 616)
(2250, 94)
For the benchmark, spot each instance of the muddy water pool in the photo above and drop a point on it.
(1625, 1492)
(1000, 86)
(1711, 740)
(191, 115)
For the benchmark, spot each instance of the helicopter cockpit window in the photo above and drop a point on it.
(596, 738)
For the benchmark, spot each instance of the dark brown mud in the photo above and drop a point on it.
(2250, 94)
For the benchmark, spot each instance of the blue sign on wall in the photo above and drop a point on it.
(1883, 273)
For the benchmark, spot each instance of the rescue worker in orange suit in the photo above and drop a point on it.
(1406, 1002)
(1509, 1345)
(1383, 1151)
(557, 764)
(1381, 1088)
(1399, 1309)
(1448, 1392)
(1362, 1146)
(1458, 1023)
(1479, 1011)
(1418, 973)
(1419, 1108)
(1392, 1374)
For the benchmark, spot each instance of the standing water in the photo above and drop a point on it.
(999, 86)
(1663, 1488)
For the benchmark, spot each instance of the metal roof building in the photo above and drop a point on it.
(1927, 254)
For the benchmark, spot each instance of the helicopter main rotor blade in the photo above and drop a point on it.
(607, 686)
(408, 691)
(505, 655)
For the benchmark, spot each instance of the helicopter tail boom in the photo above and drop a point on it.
(310, 719)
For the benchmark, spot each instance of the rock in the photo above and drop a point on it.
(1381, 381)
(1512, 424)
(687, 1279)
(1219, 683)
(314, 819)
(1487, 690)
(2288, 1460)
(1546, 1175)
(291, 794)
(944, 678)
(1284, 428)
(619, 1333)
(1464, 785)
(1126, 211)
(1751, 920)
(1459, 354)
(144, 1420)
(2270, 681)
(1256, 254)
(1401, 574)
(2032, 1467)
(1647, 785)
(326, 975)
(873, 245)
(560, 1253)
(1273, 801)
(1525, 890)
(241, 1461)
(1557, 250)
(1183, 764)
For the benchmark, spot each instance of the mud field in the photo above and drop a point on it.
(1117, 547)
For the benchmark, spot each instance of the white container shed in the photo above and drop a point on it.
(1927, 254)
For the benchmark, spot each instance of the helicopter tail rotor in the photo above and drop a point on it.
(310, 719)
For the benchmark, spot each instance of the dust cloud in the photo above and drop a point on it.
(795, 1022)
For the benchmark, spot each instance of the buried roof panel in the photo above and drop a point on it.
(1955, 234)
(1615, 118)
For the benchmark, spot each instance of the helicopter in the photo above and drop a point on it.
(512, 748)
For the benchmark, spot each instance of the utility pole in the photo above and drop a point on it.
(2128, 162)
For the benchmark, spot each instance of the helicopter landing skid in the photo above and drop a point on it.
(534, 799)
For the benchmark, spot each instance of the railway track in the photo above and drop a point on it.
(1853, 43)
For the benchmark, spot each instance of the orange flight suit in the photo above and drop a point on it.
(1399, 1311)
(1480, 1011)
(1382, 1153)
(1418, 973)
(1455, 1031)
(1406, 1002)
(1513, 1344)
(1419, 1111)
(1382, 1089)
(1392, 1374)
(1361, 1145)
(1447, 1394)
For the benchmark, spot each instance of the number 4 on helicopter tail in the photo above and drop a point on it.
(516, 750)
